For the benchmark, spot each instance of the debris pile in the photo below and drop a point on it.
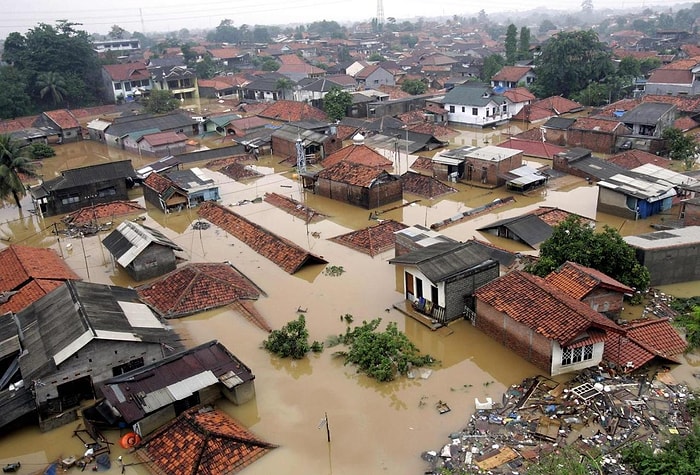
(597, 413)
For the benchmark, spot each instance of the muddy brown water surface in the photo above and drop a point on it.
(374, 427)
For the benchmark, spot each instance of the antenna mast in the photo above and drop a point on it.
(380, 12)
(301, 157)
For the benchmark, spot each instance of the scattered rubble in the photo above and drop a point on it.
(597, 413)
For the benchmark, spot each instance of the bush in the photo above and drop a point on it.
(41, 150)
(291, 341)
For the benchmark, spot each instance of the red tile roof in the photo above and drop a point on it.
(631, 159)
(361, 154)
(548, 310)
(423, 185)
(533, 148)
(28, 294)
(511, 73)
(579, 281)
(372, 240)
(203, 442)
(642, 341)
(63, 118)
(197, 287)
(545, 108)
(554, 216)
(597, 124)
(13, 125)
(163, 138)
(670, 76)
(422, 163)
(685, 123)
(351, 173)
(291, 111)
(294, 207)
(157, 183)
(29, 273)
(20, 264)
(279, 250)
(90, 214)
(127, 71)
(519, 94)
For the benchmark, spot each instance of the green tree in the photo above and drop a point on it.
(573, 240)
(376, 57)
(413, 86)
(680, 146)
(690, 321)
(39, 150)
(116, 32)
(14, 100)
(160, 101)
(283, 85)
(629, 67)
(524, 44)
(678, 457)
(291, 341)
(269, 64)
(511, 44)
(225, 33)
(336, 103)
(14, 162)
(569, 62)
(52, 84)
(564, 460)
(60, 49)
(206, 68)
(587, 6)
(381, 355)
(492, 64)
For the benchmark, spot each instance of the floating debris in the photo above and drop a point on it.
(201, 225)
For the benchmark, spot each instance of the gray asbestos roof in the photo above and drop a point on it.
(443, 260)
(472, 96)
(58, 325)
(122, 126)
(130, 239)
(93, 174)
(647, 113)
(528, 228)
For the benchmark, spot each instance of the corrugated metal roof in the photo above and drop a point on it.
(445, 259)
(130, 239)
(140, 316)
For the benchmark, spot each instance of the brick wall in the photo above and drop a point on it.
(601, 142)
(605, 301)
(691, 214)
(522, 340)
(464, 286)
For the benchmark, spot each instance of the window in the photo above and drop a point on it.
(70, 199)
(118, 86)
(107, 192)
(452, 109)
(126, 367)
(475, 111)
(576, 355)
(505, 108)
(464, 109)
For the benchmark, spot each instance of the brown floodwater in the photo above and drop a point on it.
(374, 427)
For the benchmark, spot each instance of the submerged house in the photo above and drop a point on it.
(439, 280)
(359, 185)
(179, 189)
(142, 251)
(148, 397)
(542, 323)
(75, 338)
(671, 255)
(85, 186)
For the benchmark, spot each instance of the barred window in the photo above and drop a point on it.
(576, 355)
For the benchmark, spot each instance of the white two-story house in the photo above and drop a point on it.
(476, 104)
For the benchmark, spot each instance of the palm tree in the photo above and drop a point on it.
(284, 85)
(52, 83)
(14, 161)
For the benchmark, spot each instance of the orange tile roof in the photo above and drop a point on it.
(533, 148)
(63, 118)
(511, 73)
(157, 182)
(164, 138)
(554, 216)
(578, 281)
(351, 173)
(361, 154)
(203, 442)
(372, 240)
(197, 287)
(90, 214)
(548, 310)
(292, 111)
(598, 124)
(277, 249)
(423, 185)
(127, 71)
(519, 94)
(294, 207)
(28, 294)
(642, 341)
(19, 264)
(634, 158)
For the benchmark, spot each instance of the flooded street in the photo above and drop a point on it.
(374, 427)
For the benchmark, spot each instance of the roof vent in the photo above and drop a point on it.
(358, 139)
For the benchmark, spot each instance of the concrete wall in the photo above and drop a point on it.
(154, 261)
(670, 265)
(379, 195)
(612, 202)
(557, 367)
(690, 214)
(605, 301)
(521, 339)
(96, 360)
(462, 286)
(240, 394)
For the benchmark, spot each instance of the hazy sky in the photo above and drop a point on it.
(97, 16)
